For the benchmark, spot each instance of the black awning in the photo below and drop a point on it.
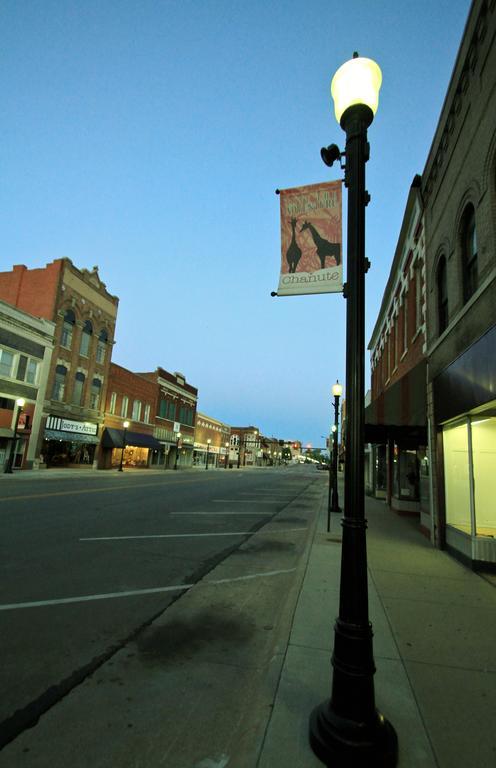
(400, 411)
(114, 438)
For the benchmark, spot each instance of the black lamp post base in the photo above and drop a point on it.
(343, 743)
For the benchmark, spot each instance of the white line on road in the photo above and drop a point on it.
(249, 501)
(189, 535)
(137, 592)
(220, 514)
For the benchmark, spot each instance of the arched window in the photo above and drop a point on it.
(59, 383)
(68, 329)
(469, 253)
(101, 347)
(86, 339)
(442, 295)
(77, 392)
(96, 388)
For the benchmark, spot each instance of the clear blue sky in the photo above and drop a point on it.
(148, 138)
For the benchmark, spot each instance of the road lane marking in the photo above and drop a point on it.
(249, 501)
(189, 535)
(220, 514)
(76, 491)
(138, 592)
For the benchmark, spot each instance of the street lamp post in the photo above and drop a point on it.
(177, 449)
(20, 402)
(227, 455)
(337, 391)
(239, 450)
(125, 425)
(208, 449)
(347, 729)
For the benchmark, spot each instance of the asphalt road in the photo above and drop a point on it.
(89, 561)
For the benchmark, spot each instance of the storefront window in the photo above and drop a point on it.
(456, 477)
(132, 457)
(406, 474)
(63, 453)
(484, 462)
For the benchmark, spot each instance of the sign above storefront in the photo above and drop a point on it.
(67, 425)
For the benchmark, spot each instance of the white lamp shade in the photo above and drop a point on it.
(126, 424)
(21, 402)
(337, 389)
(357, 81)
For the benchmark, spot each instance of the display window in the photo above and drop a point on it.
(62, 453)
(469, 475)
(133, 456)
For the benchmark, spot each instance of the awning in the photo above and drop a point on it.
(73, 437)
(114, 438)
(400, 412)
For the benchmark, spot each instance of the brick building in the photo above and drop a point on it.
(396, 421)
(84, 312)
(129, 424)
(26, 345)
(459, 193)
(212, 439)
(175, 417)
(245, 446)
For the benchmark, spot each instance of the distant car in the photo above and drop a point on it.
(322, 466)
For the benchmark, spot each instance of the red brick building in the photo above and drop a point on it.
(396, 421)
(129, 424)
(175, 417)
(84, 312)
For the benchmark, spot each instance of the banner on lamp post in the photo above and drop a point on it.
(311, 239)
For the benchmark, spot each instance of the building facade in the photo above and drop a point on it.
(212, 438)
(176, 402)
(26, 346)
(245, 446)
(128, 435)
(396, 421)
(459, 193)
(84, 313)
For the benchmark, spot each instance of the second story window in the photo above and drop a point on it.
(124, 405)
(77, 392)
(68, 329)
(59, 383)
(6, 363)
(113, 400)
(442, 295)
(136, 415)
(86, 335)
(147, 413)
(95, 392)
(469, 253)
(101, 346)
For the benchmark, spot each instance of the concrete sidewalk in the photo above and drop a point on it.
(434, 627)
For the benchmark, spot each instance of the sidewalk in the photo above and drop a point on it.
(434, 627)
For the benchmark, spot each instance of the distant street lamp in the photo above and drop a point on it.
(177, 449)
(20, 402)
(125, 425)
(227, 455)
(347, 729)
(239, 450)
(208, 449)
(337, 391)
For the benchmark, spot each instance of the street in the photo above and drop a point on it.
(90, 561)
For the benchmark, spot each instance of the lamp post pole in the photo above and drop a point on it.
(125, 425)
(227, 455)
(208, 449)
(177, 449)
(239, 451)
(347, 729)
(331, 478)
(20, 402)
(337, 390)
